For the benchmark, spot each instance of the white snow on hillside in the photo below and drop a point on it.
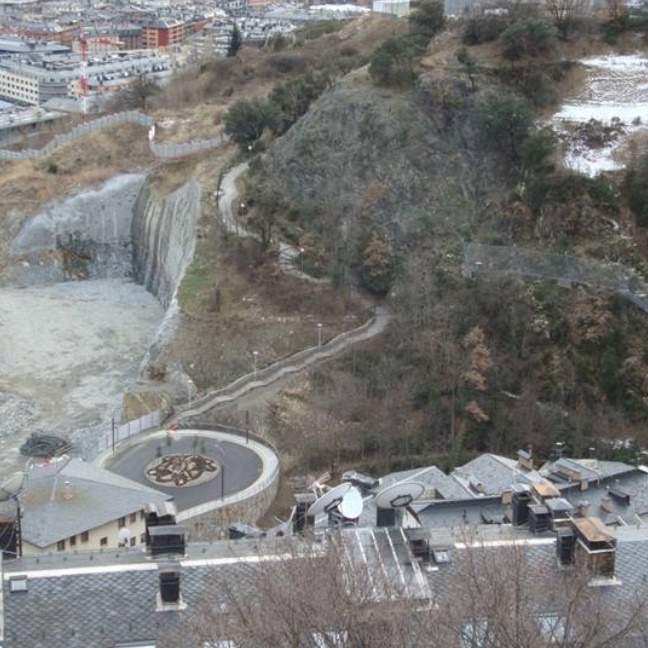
(616, 95)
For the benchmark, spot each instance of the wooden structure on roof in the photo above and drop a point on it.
(545, 489)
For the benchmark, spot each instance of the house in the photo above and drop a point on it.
(70, 505)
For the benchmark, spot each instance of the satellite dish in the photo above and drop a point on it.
(399, 495)
(12, 486)
(351, 504)
(329, 500)
(123, 537)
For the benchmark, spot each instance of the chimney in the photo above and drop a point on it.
(169, 596)
(525, 458)
(521, 499)
(583, 508)
(300, 520)
(595, 549)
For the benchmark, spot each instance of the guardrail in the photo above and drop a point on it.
(273, 372)
(165, 151)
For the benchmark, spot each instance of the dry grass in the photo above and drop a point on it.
(27, 186)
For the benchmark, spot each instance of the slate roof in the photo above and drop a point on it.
(494, 472)
(98, 497)
(75, 602)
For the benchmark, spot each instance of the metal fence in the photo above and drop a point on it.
(566, 269)
(165, 151)
(121, 433)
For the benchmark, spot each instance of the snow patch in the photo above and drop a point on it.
(615, 97)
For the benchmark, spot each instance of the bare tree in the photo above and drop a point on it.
(504, 594)
(565, 14)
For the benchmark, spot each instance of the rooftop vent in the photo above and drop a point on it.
(620, 495)
(18, 584)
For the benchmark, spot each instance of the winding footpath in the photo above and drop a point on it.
(294, 363)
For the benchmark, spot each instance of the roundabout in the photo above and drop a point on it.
(202, 470)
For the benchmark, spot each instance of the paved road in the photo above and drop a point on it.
(243, 466)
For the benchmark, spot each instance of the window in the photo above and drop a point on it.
(143, 538)
(121, 522)
(60, 545)
(133, 518)
(142, 515)
(85, 536)
(73, 541)
(133, 540)
(103, 542)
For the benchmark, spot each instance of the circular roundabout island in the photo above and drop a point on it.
(202, 470)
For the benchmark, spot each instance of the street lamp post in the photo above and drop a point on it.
(319, 334)
(301, 258)
(254, 362)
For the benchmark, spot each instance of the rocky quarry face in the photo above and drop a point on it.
(83, 302)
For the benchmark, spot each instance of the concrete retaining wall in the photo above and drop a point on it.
(213, 525)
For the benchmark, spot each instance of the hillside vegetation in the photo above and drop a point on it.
(380, 180)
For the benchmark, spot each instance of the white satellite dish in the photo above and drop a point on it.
(329, 500)
(351, 504)
(123, 537)
(12, 486)
(399, 495)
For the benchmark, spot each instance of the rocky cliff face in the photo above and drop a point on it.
(405, 160)
(164, 238)
(86, 236)
(119, 229)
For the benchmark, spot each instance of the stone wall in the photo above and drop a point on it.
(213, 525)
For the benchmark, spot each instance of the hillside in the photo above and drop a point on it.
(381, 175)
(381, 184)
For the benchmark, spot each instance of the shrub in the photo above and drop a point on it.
(537, 149)
(284, 64)
(428, 19)
(528, 38)
(483, 29)
(246, 120)
(318, 29)
(635, 189)
(504, 121)
(278, 42)
(293, 98)
(391, 63)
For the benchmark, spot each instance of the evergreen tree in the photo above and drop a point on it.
(236, 41)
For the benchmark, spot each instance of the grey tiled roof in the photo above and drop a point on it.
(495, 473)
(98, 497)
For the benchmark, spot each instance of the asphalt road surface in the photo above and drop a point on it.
(242, 467)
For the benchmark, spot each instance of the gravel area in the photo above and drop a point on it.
(67, 353)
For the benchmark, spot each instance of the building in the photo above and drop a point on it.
(71, 505)
(163, 33)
